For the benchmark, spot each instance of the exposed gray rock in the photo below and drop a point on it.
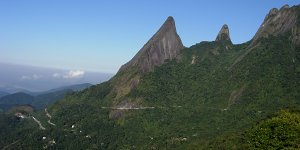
(296, 35)
(279, 22)
(165, 44)
(272, 13)
(223, 34)
(284, 7)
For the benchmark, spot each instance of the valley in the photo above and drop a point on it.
(38, 100)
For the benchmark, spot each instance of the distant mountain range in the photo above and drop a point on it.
(2, 93)
(21, 78)
(38, 99)
(11, 90)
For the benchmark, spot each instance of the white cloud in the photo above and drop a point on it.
(33, 77)
(74, 74)
(56, 75)
(25, 78)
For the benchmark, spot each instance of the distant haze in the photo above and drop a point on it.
(40, 79)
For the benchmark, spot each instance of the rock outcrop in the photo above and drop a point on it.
(279, 22)
(223, 34)
(165, 44)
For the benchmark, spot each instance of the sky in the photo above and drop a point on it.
(100, 36)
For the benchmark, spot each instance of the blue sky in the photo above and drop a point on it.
(100, 36)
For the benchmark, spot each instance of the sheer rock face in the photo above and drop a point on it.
(165, 44)
(223, 34)
(279, 22)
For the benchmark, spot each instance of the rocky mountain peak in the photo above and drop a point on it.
(279, 22)
(286, 6)
(223, 34)
(164, 44)
(272, 12)
(169, 24)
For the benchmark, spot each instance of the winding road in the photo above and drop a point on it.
(7, 146)
(137, 108)
(128, 108)
(39, 123)
(49, 116)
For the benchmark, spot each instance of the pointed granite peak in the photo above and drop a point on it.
(223, 34)
(165, 44)
(170, 20)
(279, 22)
(168, 25)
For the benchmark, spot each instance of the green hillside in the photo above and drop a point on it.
(38, 100)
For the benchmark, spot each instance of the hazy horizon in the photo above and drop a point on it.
(37, 79)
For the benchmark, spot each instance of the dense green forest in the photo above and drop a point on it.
(208, 103)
